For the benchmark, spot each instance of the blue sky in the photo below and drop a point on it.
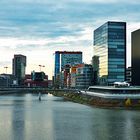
(37, 28)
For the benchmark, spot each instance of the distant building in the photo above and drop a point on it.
(136, 57)
(19, 65)
(80, 76)
(129, 75)
(37, 76)
(63, 61)
(66, 72)
(72, 76)
(63, 58)
(50, 83)
(95, 65)
(110, 48)
(84, 76)
(36, 79)
(7, 80)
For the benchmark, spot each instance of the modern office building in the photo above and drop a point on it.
(36, 79)
(19, 65)
(6, 80)
(37, 76)
(110, 49)
(84, 76)
(70, 58)
(57, 64)
(80, 76)
(63, 58)
(72, 75)
(136, 57)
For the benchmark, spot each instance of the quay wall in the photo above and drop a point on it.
(98, 101)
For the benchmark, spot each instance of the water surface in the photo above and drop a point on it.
(24, 117)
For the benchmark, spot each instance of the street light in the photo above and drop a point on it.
(6, 76)
(40, 67)
(6, 69)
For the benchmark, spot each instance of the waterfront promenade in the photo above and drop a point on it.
(113, 93)
(98, 89)
(34, 89)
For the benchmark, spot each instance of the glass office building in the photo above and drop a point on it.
(110, 49)
(135, 59)
(57, 63)
(84, 76)
(63, 58)
(19, 66)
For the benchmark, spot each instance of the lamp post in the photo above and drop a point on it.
(7, 83)
(40, 67)
(6, 69)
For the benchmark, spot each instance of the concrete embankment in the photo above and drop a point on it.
(23, 90)
(98, 101)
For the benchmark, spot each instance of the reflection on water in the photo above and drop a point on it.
(24, 117)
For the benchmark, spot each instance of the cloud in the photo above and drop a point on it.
(41, 50)
(53, 19)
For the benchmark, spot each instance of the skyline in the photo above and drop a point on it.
(39, 28)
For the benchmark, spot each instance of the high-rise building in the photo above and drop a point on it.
(136, 57)
(57, 63)
(70, 58)
(110, 49)
(19, 65)
(63, 58)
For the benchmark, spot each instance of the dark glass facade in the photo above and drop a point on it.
(19, 65)
(110, 47)
(136, 57)
(84, 76)
(38, 76)
(57, 63)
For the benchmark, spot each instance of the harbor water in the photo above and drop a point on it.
(25, 117)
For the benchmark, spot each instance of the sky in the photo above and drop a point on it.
(38, 28)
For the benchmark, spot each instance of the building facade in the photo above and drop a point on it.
(84, 76)
(70, 58)
(57, 63)
(63, 58)
(95, 65)
(36, 79)
(7, 80)
(37, 76)
(63, 61)
(129, 75)
(19, 66)
(72, 77)
(135, 57)
(110, 49)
